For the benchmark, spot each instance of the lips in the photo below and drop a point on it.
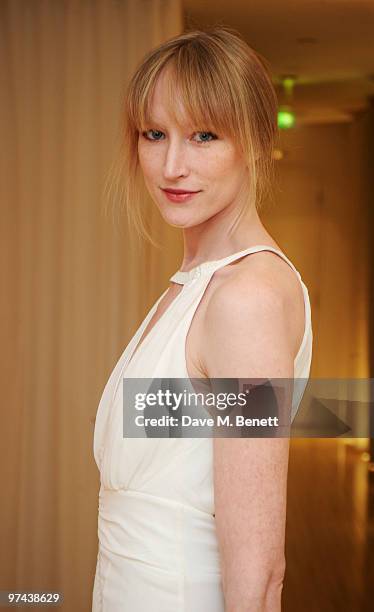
(179, 195)
(179, 191)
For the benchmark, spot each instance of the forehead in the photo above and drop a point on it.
(165, 105)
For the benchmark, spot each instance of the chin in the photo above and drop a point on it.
(179, 218)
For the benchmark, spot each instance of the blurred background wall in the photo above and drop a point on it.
(73, 290)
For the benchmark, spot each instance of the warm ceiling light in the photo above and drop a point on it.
(277, 154)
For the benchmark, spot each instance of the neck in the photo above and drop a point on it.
(220, 236)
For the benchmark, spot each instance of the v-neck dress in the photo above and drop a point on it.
(158, 549)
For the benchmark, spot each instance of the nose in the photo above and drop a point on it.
(175, 162)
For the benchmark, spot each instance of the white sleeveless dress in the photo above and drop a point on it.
(158, 549)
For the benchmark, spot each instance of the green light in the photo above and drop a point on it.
(286, 119)
(288, 84)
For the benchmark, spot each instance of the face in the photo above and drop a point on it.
(179, 158)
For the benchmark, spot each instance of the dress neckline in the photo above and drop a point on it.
(185, 276)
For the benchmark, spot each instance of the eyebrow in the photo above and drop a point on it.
(189, 126)
(154, 120)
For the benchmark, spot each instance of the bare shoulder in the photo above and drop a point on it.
(254, 280)
(255, 315)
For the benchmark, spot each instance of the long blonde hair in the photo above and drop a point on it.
(224, 86)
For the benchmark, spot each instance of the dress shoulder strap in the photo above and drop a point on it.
(185, 276)
(254, 249)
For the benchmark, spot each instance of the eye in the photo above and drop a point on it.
(204, 135)
(155, 132)
(157, 135)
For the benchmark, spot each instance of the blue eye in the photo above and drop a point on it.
(154, 132)
(214, 137)
(159, 134)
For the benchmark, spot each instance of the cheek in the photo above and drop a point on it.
(226, 159)
(147, 160)
(223, 166)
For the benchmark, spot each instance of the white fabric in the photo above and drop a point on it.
(157, 543)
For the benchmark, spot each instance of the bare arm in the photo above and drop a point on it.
(247, 336)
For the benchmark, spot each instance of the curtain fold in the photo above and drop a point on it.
(72, 290)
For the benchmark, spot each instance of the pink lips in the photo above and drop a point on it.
(178, 195)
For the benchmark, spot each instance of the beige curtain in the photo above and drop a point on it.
(72, 292)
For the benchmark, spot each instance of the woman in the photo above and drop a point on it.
(197, 524)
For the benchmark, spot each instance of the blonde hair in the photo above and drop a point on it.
(224, 86)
